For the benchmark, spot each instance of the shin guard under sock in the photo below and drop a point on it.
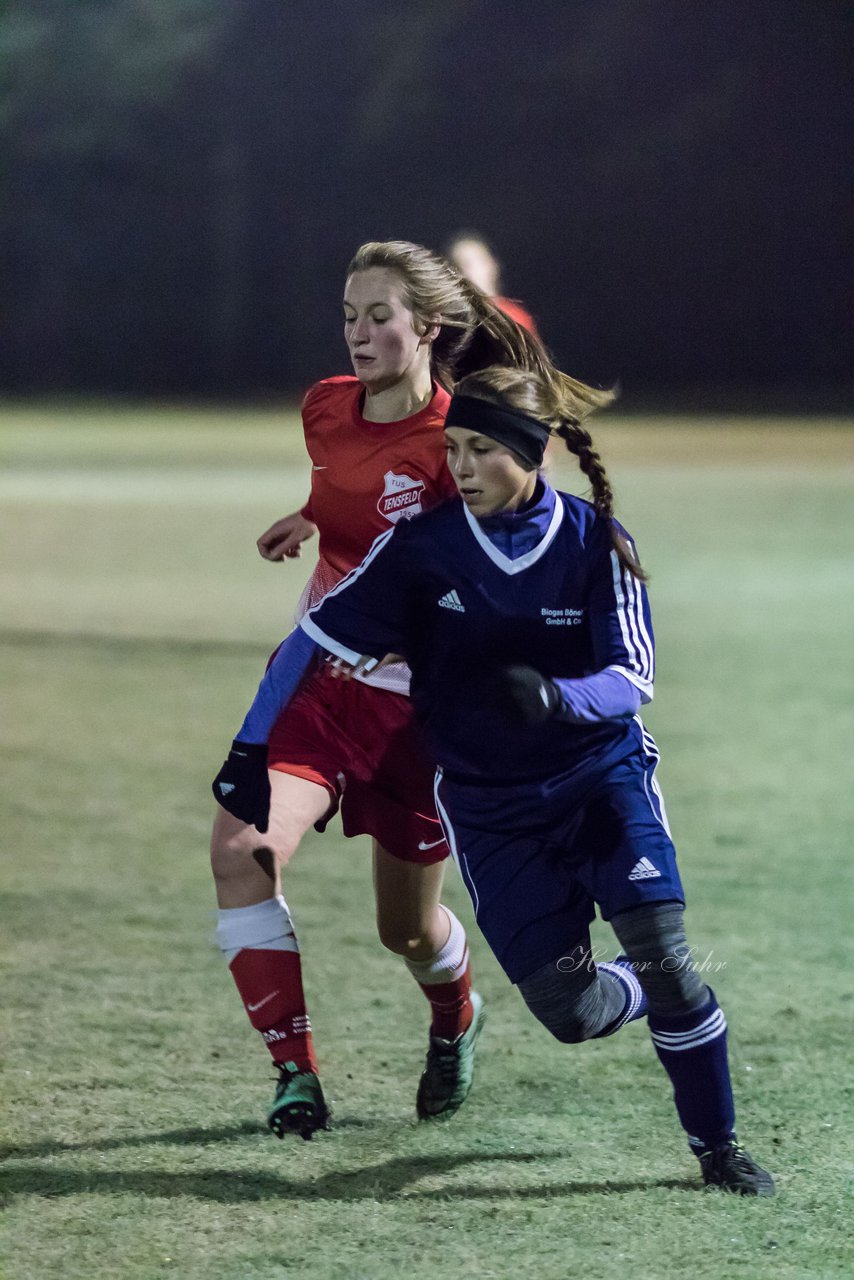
(445, 980)
(263, 954)
(692, 1048)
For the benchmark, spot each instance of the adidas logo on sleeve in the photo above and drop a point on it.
(452, 601)
(643, 870)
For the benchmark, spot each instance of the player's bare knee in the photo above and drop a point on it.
(400, 940)
(230, 863)
(238, 854)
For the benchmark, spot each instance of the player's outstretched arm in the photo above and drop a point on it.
(348, 613)
(242, 785)
(361, 621)
(284, 539)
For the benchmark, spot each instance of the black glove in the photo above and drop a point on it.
(242, 785)
(530, 698)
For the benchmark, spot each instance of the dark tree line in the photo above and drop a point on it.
(183, 181)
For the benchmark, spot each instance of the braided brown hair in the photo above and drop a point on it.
(556, 402)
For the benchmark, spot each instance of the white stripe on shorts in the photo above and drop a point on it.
(458, 857)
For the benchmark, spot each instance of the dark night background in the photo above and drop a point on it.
(185, 180)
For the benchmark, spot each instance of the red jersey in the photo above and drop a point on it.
(517, 312)
(365, 476)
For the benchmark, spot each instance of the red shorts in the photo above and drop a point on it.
(364, 746)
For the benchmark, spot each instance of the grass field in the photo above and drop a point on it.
(136, 615)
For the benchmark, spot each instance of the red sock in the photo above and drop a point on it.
(450, 1003)
(270, 986)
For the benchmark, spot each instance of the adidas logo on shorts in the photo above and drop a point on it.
(643, 870)
(452, 601)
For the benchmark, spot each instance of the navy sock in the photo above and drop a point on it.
(692, 1048)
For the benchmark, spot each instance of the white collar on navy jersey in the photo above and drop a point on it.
(546, 513)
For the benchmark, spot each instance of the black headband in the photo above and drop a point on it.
(526, 436)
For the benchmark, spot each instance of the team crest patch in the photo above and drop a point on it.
(401, 497)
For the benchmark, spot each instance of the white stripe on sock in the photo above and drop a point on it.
(677, 1041)
(628, 980)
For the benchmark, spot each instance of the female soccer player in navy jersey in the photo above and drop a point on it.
(412, 324)
(524, 617)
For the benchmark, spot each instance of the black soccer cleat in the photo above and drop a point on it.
(299, 1105)
(732, 1169)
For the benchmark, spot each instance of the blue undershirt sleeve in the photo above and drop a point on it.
(607, 695)
(281, 681)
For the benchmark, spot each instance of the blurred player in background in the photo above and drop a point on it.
(524, 616)
(472, 255)
(413, 324)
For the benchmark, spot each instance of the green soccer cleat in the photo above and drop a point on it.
(449, 1069)
(732, 1169)
(299, 1105)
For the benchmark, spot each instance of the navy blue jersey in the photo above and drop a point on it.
(438, 591)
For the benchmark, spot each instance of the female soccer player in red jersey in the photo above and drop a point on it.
(412, 324)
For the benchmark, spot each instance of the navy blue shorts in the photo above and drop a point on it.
(538, 858)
